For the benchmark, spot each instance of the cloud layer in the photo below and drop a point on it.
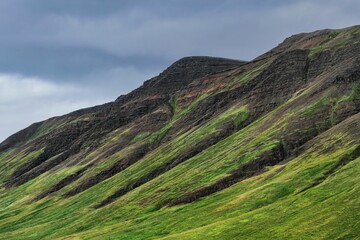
(26, 100)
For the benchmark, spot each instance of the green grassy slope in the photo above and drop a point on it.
(293, 153)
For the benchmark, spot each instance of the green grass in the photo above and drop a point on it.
(271, 200)
(246, 76)
(335, 40)
(11, 160)
(355, 94)
(280, 203)
(313, 108)
(331, 37)
(322, 45)
(182, 112)
(269, 205)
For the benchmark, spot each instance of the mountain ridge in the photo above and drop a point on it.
(221, 138)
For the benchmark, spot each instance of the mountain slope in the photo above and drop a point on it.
(210, 149)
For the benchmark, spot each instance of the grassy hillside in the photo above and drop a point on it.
(264, 149)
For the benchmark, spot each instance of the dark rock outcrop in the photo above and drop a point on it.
(67, 141)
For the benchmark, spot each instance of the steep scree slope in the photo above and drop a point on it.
(211, 148)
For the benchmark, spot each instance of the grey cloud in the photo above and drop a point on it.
(153, 30)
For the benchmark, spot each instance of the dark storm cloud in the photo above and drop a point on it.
(73, 37)
(65, 62)
(60, 55)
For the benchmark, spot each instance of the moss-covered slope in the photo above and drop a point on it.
(210, 149)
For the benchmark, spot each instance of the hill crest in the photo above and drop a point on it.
(208, 142)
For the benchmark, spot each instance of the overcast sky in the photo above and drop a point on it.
(61, 55)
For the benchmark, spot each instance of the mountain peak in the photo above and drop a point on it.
(186, 69)
(211, 148)
(317, 40)
(181, 73)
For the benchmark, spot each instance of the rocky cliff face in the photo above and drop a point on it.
(211, 134)
(149, 105)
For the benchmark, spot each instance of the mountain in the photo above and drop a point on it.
(211, 148)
